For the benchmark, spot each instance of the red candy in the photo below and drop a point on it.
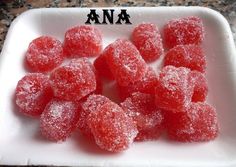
(113, 130)
(125, 62)
(102, 68)
(33, 92)
(146, 37)
(200, 88)
(74, 80)
(44, 54)
(99, 85)
(146, 84)
(190, 56)
(71, 97)
(141, 108)
(92, 103)
(174, 89)
(188, 30)
(83, 41)
(59, 120)
(198, 123)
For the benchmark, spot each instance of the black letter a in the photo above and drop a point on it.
(93, 16)
(124, 17)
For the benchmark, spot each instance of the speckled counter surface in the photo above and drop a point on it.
(9, 9)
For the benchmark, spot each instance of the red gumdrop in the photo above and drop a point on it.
(190, 56)
(200, 88)
(125, 62)
(188, 30)
(44, 54)
(102, 68)
(82, 41)
(33, 92)
(149, 120)
(86, 107)
(74, 80)
(112, 129)
(58, 120)
(146, 84)
(99, 85)
(146, 37)
(198, 123)
(174, 89)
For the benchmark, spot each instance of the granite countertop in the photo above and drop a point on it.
(9, 9)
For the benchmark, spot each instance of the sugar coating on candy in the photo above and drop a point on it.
(89, 105)
(142, 109)
(112, 129)
(200, 87)
(146, 84)
(102, 67)
(74, 80)
(174, 89)
(82, 41)
(146, 37)
(58, 120)
(32, 94)
(198, 123)
(125, 62)
(44, 54)
(190, 56)
(188, 30)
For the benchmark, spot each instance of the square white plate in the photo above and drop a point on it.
(20, 142)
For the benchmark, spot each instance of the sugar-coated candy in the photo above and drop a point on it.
(142, 109)
(82, 41)
(198, 123)
(112, 129)
(33, 92)
(146, 37)
(125, 62)
(99, 85)
(188, 30)
(86, 107)
(146, 84)
(174, 88)
(44, 54)
(74, 80)
(190, 56)
(102, 67)
(58, 120)
(200, 87)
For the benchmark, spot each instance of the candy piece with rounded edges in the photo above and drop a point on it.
(149, 120)
(99, 85)
(89, 105)
(200, 88)
(190, 56)
(58, 120)
(174, 89)
(146, 37)
(82, 41)
(33, 92)
(125, 62)
(188, 30)
(102, 67)
(198, 123)
(44, 54)
(112, 129)
(146, 84)
(74, 80)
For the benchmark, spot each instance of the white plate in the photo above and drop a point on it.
(21, 144)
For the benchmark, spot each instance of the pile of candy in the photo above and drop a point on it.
(68, 96)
